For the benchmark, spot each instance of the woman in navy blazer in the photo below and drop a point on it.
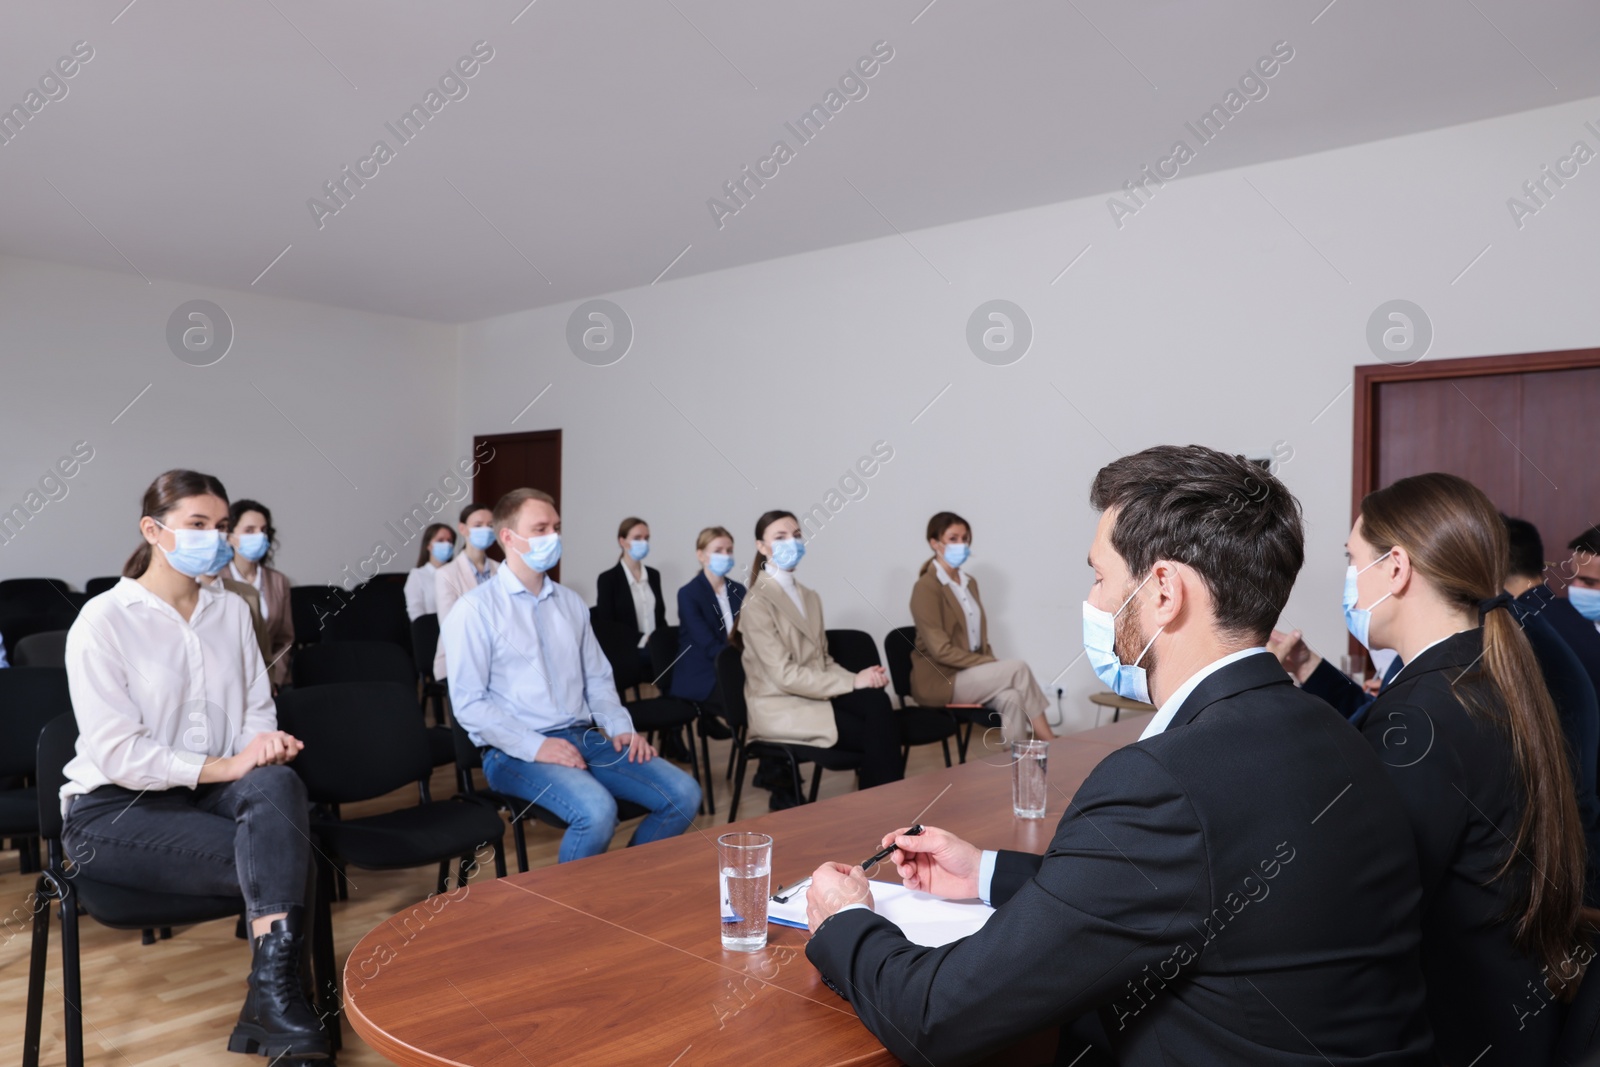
(707, 607)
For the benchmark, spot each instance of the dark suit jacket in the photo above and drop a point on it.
(1239, 889)
(701, 635)
(1456, 775)
(1343, 692)
(614, 600)
(1578, 632)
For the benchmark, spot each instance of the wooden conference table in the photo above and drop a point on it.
(618, 959)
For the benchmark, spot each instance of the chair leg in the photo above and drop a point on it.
(816, 782)
(520, 837)
(36, 969)
(325, 969)
(147, 936)
(500, 858)
(166, 933)
(963, 739)
(798, 782)
(738, 744)
(341, 885)
(738, 782)
(71, 978)
(945, 741)
(444, 877)
(905, 759)
(705, 763)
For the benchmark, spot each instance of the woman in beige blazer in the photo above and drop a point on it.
(251, 533)
(794, 690)
(954, 663)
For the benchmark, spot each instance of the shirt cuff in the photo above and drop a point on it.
(852, 907)
(986, 874)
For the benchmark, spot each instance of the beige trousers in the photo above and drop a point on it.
(1007, 686)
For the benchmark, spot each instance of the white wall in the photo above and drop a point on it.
(1212, 316)
(376, 395)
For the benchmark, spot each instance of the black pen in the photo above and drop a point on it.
(783, 895)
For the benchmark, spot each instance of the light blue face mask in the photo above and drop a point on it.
(1585, 602)
(720, 563)
(480, 537)
(543, 552)
(957, 554)
(787, 554)
(442, 550)
(1359, 620)
(195, 552)
(639, 549)
(223, 557)
(252, 546)
(1100, 645)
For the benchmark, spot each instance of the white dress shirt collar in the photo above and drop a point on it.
(1169, 707)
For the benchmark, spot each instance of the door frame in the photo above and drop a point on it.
(1369, 376)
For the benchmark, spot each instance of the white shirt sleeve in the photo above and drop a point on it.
(416, 592)
(986, 876)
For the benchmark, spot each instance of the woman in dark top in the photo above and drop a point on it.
(1470, 736)
(707, 609)
(629, 595)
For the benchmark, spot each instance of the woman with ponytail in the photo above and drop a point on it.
(180, 781)
(1470, 737)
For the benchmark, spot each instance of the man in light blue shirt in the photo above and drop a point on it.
(531, 686)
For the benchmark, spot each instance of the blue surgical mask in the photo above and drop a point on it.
(1359, 620)
(786, 555)
(442, 550)
(543, 552)
(196, 552)
(1585, 602)
(956, 555)
(480, 537)
(639, 549)
(223, 557)
(252, 546)
(720, 563)
(1100, 644)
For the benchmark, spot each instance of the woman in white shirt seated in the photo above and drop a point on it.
(438, 546)
(180, 782)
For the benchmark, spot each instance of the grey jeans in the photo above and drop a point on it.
(248, 837)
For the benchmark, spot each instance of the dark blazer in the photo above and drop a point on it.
(614, 601)
(1240, 888)
(1578, 632)
(701, 635)
(1456, 775)
(1343, 692)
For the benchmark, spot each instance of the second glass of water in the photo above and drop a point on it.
(1029, 791)
(745, 861)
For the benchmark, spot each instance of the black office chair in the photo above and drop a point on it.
(899, 645)
(730, 677)
(95, 586)
(118, 907)
(424, 647)
(658, 714)
(855, 650)
(375, 611)
(364, 740)
(29, 698)
(35, 605)
(332, 662)
(47, 648)
(42, 589)
(310, 606)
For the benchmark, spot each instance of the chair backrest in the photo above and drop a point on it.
(854, 650)
(730, 682)
(898, 645)
(425, 642)
(42, 589)
(663, 648)
(309, 607)
(57, 743)
(45, 649)
(373, 612)
(621, 651)
(96, 586)
(353, 661)
(393, 578)
(363, 739)
(29, 698)
(35, 605)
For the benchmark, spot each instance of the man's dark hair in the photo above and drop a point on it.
(1235, 524)
(1527, 548)
(1588, 541)
(466, 512)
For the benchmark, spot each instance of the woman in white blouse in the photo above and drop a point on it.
(180, 782)
(438, 546)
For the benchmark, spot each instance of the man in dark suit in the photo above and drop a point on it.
(1240, 886)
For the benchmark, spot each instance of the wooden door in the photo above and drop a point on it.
(529, 460)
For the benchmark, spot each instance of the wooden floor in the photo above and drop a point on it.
(175, 1002)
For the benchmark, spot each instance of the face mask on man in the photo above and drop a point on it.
(543, 552)
(1585, 602)
(1100, 644)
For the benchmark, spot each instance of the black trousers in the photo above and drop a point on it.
(248, 837)
(867, 724)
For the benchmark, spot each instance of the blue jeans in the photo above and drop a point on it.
(587, 800)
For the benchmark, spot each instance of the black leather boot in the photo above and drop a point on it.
(277, 1020)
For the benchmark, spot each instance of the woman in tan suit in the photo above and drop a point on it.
(251, 534)
(954, 663)
(794, 690)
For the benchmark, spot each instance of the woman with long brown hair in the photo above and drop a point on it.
(1471, 739)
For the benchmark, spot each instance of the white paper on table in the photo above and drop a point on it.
(924, 919)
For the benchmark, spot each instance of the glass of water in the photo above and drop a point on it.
(745, 863)
(1028, 789)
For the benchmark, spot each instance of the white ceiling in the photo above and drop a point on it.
(582, 158)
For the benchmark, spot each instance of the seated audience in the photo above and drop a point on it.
(469, 568)
(793, 689)
(1469, 734)
(180, 781)
(438, 545)
(953, 663)
(254, 540)
(529, 683)
(1239, 887)
(629, 595)
(708, 605)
